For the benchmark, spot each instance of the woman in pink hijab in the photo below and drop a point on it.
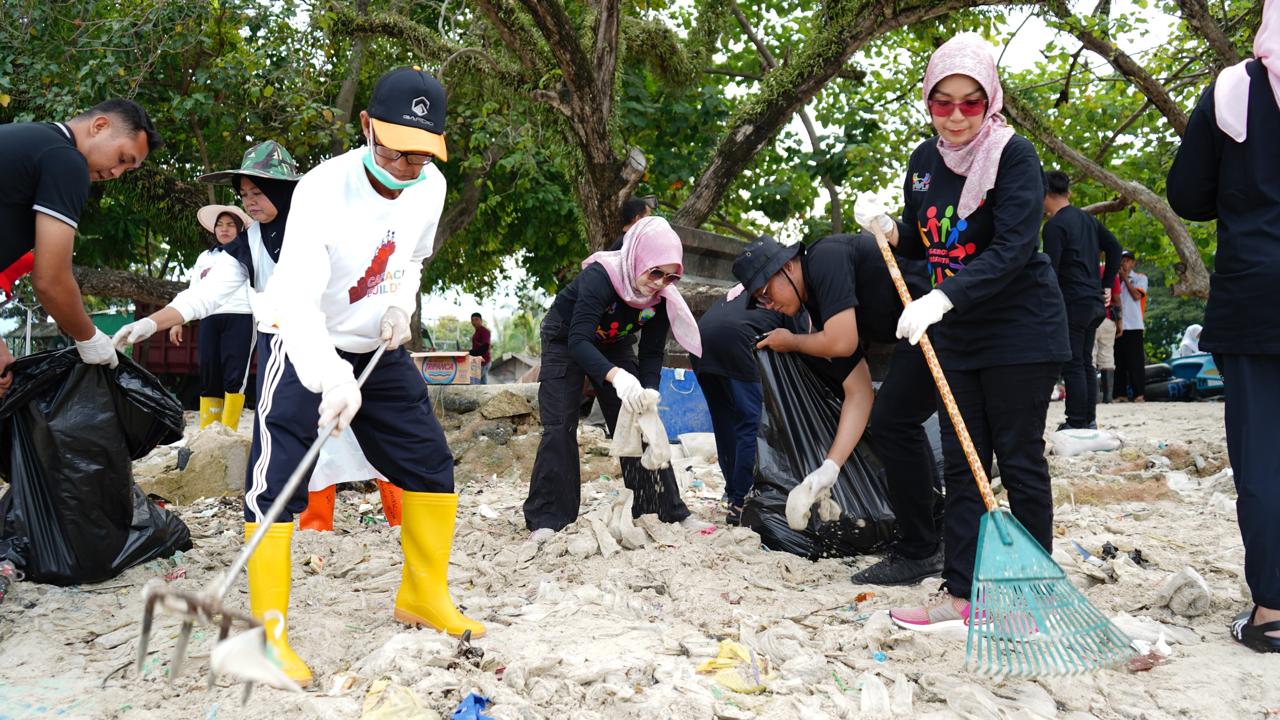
(973, 200)
(1228, 169)
(591, 331)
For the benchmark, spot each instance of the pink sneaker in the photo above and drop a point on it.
(943, 610)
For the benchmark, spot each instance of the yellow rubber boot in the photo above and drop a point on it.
(232, 407)
(392, 502)
(427, 539)
(210, 411)
(319, 513)
(269, 580)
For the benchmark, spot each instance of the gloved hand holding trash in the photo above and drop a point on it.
(816, 489)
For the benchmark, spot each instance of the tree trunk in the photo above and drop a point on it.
(1193, 277)
(347, 93)
(102, 282)
(1196, 14)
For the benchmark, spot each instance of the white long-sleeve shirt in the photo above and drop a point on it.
(226, 277)
(350, 254)
(238, 303)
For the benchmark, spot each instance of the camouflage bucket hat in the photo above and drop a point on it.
(265, 160)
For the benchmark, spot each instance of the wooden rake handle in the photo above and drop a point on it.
(944, 389)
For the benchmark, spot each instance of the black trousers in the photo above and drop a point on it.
(906, 399)
(1131, 364)
(396, 428)
(1079, 374)
(226, 346)
(1004, 409)
(555, 488)
(735, 407)
(1253, 427)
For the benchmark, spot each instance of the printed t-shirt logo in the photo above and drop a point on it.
(946, 251)
(376, 280)
(920, 183)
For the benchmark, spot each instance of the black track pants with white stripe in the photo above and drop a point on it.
(395, 427)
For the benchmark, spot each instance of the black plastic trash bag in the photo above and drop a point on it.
(68, 435)
(799, 420)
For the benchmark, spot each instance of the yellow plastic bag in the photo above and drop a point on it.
(388, 701)
(738, 668)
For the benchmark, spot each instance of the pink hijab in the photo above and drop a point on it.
(979, 159)
(649, 243)
(1231, 93)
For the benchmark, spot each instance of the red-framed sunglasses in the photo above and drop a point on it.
(656, 274)
(968, 108)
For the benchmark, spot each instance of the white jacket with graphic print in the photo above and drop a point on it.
(349, 255)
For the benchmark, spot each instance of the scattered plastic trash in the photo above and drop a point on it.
(1088, 557)
(389, 701)
(8, 575)
(707, 531)
(1068, 443)
(879, 656)
(863, 596)
(487, 511)
(244, 656)
(470, 708)
(1185, 593)
(1110, 552)
(738, 668)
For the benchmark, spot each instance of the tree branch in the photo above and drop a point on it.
(1193, 278)
(1124, 64)
(557, 29)
(770, 64)
(608, 19)
(1108, 206)
(107, 283)
(1197, 16)
(848, 27)
(518, 37)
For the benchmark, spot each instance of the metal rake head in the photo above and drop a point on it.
(204, 607)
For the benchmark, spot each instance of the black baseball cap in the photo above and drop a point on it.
(759, 261)
(1127, 254)
(407, 112)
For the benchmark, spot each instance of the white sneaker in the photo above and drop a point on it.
(541, 535)
(693, 523)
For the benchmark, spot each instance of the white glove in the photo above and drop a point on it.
(629, 390)
(98, 350)
(395, 328)
(816, 488)
(922, 313)
(134, 332)
(871, 215)
(340, 402)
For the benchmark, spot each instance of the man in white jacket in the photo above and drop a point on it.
(361, 227)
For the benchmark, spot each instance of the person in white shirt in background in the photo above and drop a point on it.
(361, 227)
(1131, 354)
(226, 336)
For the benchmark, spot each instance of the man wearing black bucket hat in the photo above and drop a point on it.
(843, 284)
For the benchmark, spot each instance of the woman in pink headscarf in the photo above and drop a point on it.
(591, 331)
(1228, 169)
(973, 200)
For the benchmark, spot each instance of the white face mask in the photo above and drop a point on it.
(386, 178)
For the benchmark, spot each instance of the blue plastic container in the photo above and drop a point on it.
(683, 408)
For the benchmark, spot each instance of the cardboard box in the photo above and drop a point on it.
(447, 368)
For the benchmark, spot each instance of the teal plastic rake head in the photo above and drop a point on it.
(1026, 618)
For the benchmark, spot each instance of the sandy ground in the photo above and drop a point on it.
(584, 628)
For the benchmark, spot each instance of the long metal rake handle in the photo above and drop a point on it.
(939, 379)
(286, 493)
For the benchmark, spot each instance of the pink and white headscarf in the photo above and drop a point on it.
(979, 159)
(1231, 93)
(649, 243)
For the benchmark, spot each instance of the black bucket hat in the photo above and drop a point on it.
(758, 262)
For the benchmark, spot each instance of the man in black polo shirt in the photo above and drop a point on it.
(843, 284)
(1073, 239)
(45, 171)
(731, 384)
